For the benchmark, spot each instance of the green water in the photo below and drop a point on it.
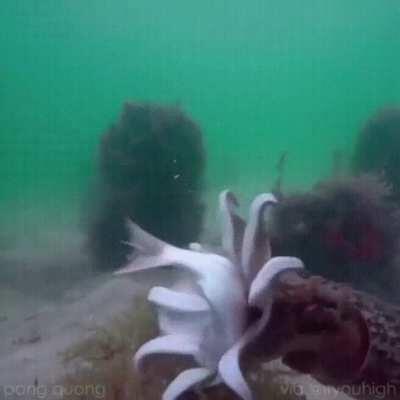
(260, 76)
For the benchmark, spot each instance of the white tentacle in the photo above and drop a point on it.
(256, 247)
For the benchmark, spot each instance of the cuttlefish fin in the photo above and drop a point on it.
(142, 240)
(256, 248)
(170, 344)
(260, 288)
(148, 251)
(186, 380)
(233, 226)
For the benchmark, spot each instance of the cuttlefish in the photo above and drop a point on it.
(342, 337)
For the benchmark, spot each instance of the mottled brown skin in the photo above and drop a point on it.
(342, 337)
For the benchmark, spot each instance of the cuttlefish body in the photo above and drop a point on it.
(318, 327)
(342, 337)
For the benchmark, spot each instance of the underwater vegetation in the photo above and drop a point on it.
(345, 229)
(378, 147)
(151, 169)
(103, 359)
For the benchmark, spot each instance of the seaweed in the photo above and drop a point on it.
(102, 362)
(378, 147)
(151, 170)
(345, 229)
(280, 170)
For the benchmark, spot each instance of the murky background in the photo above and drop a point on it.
(261, 78)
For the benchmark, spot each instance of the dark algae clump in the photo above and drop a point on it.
(345, 229)
(151, 170)
(378, 147)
